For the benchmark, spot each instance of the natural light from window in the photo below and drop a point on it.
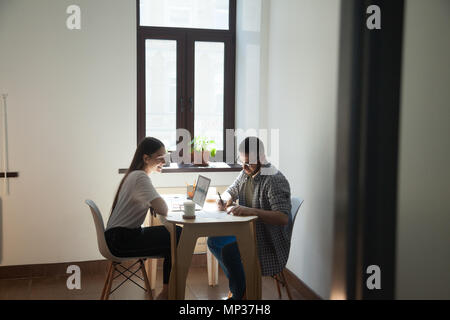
(209, 89)
(161, 90)
(199, 14)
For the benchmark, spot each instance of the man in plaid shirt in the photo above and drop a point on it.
(262, 191)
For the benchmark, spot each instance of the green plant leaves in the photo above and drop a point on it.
(202, 143)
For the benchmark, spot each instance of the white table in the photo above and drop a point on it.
(208, 224)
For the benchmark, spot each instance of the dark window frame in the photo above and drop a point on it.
(186, 38)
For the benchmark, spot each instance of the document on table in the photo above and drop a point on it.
(212, 214)
(202, 214)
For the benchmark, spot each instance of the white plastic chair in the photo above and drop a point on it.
(296, 203)
(116, 262)
(281, 277)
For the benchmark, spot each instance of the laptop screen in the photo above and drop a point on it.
(201, 190)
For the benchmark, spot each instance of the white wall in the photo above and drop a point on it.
(72, 124)
(248, 63)
(302, 103)
(423, 237)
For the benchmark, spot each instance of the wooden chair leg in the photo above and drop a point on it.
(212, 268)
(286, 284)
(110, 280)
(278, 286)
(147, 283)
(108, 275)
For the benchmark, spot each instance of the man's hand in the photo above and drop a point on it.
(223, 206)
(242, 211)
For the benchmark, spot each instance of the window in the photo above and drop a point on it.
(186, 69)
(195, 14)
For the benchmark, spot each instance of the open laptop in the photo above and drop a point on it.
(201, 190)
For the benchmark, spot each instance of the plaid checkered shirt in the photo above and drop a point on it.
(271, 192)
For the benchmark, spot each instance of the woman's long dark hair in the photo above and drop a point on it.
(147, 146)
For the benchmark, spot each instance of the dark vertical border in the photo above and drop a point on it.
(140, 70)
(190, 83)
(380, 158)
(230, 88)
(229, 120)
(366, 171)
(232, 16)
(349, 88)
(182, 103)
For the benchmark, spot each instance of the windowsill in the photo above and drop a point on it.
(212, 167)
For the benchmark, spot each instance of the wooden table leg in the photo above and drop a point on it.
(213, 268)
(246, 242)
(184, 253)
(151, 264)
(173, 272)
(258, 276)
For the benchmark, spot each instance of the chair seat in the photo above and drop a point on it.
(114, 258)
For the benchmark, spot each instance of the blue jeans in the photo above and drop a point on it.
(226, 250)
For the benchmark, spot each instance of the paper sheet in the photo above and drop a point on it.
(212, 214)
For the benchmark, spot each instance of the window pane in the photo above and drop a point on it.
(209, 90)
(161, 90)
(204, 14)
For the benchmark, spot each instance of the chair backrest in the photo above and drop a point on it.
(100, 229)
(295, 206)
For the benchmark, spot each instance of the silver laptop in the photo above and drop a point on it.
(201, 190)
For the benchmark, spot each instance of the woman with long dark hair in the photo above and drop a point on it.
(136, 195)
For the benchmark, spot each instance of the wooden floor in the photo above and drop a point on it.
(54, 288)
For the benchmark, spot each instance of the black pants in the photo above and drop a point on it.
(142, 242)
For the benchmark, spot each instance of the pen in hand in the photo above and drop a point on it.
(221, 201)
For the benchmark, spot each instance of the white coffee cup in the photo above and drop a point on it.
(189, 209)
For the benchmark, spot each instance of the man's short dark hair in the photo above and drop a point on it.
(252, 146)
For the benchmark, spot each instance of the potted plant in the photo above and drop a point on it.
(202, 149)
